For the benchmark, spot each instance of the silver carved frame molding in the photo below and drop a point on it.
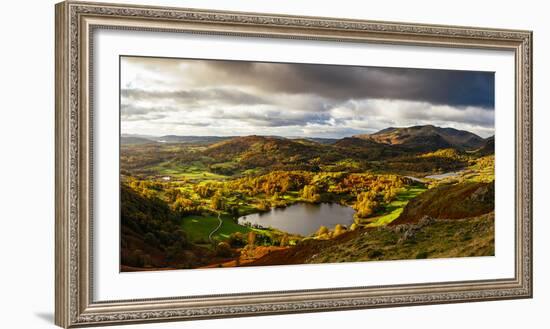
(75, 24)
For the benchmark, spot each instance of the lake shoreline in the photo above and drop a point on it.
(322, 213)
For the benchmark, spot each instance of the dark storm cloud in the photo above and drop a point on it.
(454, 88)
(194, 96)
(130, 112)
(187, 96)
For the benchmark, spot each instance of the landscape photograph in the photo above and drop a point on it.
(237, 163)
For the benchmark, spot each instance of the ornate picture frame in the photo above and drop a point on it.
(75, 25)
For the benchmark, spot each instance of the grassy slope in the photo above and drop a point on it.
(461, 200)
(440, 239)
(196, 170)
(394, 208)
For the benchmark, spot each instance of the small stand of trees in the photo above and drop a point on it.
(310, 194)
(366, 204)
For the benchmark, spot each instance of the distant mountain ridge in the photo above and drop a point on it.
(144, 139)
(191, 139)
(306, 154)
(133, 140)
(426, 138)
(386, 142)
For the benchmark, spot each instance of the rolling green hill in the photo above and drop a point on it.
(261, 151)
(468, 199)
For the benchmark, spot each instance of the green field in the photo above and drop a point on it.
(199, 227)
(395, 208)
(193, 171)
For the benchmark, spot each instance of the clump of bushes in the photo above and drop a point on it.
(375, 253)
(422, 255)
(366, 205)
(136, 258)
(338, 230)
(284, 241)
(324, 233)
(310, 193)
(223, 249)
(322, 230)
(236, 240)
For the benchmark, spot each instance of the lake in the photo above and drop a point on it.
(302, 218)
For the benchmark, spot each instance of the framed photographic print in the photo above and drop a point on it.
(218, 164)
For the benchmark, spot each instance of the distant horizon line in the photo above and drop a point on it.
(228, 136)
(298, 136)
(144, 136)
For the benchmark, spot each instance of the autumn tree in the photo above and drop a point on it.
(236, 239)
(251, 238)
(323, 230)
(223, 249)
(216, 202)
(366, 204)
(172, 194)
(264, 205)
(284, 241)
(338, 230)
(309, 193)
(203, 189)
(389, 195)
(183, 205)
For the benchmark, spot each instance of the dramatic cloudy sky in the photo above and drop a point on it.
(229, 98)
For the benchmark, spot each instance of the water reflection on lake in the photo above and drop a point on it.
(302, 218)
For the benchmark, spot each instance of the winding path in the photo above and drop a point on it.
(216, 229)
